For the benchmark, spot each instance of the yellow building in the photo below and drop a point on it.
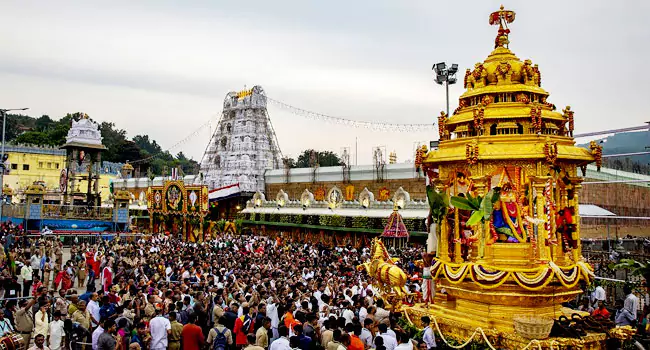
(28, 164)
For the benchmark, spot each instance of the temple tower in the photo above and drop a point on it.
(243, 145)
(83, 146)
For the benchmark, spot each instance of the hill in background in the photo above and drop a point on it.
(628, 142)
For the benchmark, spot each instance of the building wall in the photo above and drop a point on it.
(30, 164)
(415, 187)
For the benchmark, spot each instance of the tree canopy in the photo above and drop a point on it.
(44, 131)
(322, 158)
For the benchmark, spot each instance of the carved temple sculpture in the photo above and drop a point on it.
(510, 243)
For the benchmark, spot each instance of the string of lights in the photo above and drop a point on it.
(377, 126)
(177, 144)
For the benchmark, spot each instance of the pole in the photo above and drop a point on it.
(447, 88)
(356, 151)
(2, 173)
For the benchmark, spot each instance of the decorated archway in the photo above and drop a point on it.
(178, 209)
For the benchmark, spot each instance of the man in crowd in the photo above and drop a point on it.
(160, 328)
(39, 343)
(192, 336)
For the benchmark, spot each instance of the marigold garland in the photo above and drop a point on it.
(534, 279)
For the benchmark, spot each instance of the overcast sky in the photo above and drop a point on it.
(164, 67)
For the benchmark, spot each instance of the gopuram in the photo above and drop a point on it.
(508, 175)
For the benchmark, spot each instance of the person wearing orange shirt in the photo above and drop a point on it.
(289, 320)
(601, 311)
(354, 330)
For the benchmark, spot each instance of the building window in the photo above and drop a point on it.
(25, 166)
(14, 166)
(40, 165)
(57, 165)
(49, 165)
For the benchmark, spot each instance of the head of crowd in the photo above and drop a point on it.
(244, 291)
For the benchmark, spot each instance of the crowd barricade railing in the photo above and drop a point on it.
(71, 238)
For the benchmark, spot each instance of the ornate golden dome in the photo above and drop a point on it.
(504, 103)
(127, 166)
(501, 88)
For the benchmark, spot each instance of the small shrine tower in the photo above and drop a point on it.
(507, 169)
(83, 151)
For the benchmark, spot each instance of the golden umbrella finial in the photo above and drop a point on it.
(502, 18)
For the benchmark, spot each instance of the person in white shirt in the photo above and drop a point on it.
(428, 337)
(404, 342)
(389, 341)
(26, 274)
(93, 309)
(96, 334)
(35, 263)
(160, 329)
(598, 295)
(348, 314)
(55, 339)
(272, 313)
(281, 343)
(366, 334)
(363, 313)
(42, 321)
(631, 302)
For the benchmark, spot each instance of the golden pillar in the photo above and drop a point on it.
(457, 248)
(577, 252)
(544, 252)
(480, 183)
(442, 252)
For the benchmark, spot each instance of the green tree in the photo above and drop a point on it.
(146, 145)
(127, 151)
(288, 162)
(33, 138)
(113, 139)
(44, 123)
(323, 158)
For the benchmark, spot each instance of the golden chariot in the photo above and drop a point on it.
(510, 174)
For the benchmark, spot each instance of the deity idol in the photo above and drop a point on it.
(507, 216)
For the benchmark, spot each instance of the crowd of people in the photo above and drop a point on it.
(234, 292)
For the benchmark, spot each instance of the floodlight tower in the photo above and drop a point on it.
(446, 75)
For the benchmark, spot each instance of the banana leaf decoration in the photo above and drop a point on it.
(481, 207)
(635, 268)
(438, 204)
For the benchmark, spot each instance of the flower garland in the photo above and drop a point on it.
(597, 152)
(538, 74)
(477, 72)
(471, 153)
(442, 125)
(503, 68)
(479, 114)
(536, 118)
(549, 208)
(550, 152)
(534, 279)
(461, 104)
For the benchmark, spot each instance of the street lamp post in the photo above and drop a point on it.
(445, 75)
(2, 153)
